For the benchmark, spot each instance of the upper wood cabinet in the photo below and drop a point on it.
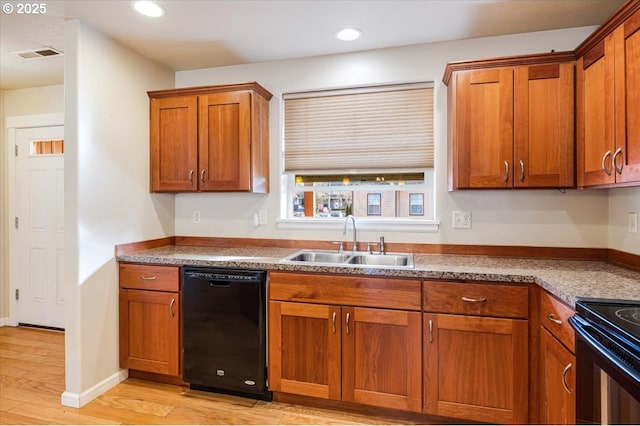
(212, 138)
(608, 102)
(511, 122)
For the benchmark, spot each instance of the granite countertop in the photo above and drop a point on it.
(566, 279)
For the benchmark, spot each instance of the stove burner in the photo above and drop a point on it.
(631, 315)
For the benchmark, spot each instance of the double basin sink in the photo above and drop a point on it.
(357, 259)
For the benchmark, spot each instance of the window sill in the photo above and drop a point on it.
(366, 224)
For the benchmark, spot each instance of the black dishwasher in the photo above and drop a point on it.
(224, 331)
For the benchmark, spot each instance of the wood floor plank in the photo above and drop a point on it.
(60, 414)
(4, 353)
(7, 418)
(26, 384)
(30, 395)
(24, 347)
(30, 366)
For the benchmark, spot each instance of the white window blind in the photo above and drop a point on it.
(379, 128)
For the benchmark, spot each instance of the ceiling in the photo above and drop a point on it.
(201, 33)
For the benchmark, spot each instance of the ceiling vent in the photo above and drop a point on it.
(43, 52)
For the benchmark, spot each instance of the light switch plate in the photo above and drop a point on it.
(633, 222)
(196, 216)
(262, 217)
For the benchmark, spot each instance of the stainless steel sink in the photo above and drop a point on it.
(357, 259)
(319, 257)
(399, 259)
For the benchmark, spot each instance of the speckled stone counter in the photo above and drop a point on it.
(566, 279)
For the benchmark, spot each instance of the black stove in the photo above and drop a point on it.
(619, 317)
(608, 337)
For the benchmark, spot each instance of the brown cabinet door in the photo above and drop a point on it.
(557, 367)
(544, 126)
(476, 368)
(224, 141)
(381, 358)
(304, 349)
(150, 331)
(596, 115)
(173, 136)
(484, 120)
(627, 56)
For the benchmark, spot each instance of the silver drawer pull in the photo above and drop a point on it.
(430, 331)
(506, 171)
(614, 161)
(552, 318)
(151, 278)
(348, 331)
(191, 177)
(334, 322)
(474, 300)
(521, 171)
(564, 378)
(172, 313)
(604, 166)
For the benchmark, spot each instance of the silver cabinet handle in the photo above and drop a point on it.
(521, 171)
(614, 161)
(348, 332)
(191, 177)
(202, 175)
(333, 319)
(604, 166)
(506, 171)
(552, 318)
(474, 300)
(430, 331)
(151, 278)
(564, 378)
(171, 312)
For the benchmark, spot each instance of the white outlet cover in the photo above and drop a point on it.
(633, 222)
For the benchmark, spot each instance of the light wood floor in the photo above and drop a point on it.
(32, 381)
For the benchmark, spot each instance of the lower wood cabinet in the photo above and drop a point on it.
(557, 362)
(150, 319)
(361, 354)
(558, 381)
(476, 368)
(476, 351)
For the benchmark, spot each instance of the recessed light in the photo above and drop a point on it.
(348, 34)
(148, 8)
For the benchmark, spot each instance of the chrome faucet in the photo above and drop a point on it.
(344, 231)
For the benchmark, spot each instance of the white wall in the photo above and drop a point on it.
(622, 201)
(13, 103)
(107, 199)
(521, 217)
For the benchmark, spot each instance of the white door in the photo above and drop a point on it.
(40, 224)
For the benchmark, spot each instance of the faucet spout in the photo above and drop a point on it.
(344, 231)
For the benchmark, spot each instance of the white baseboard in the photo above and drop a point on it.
(75, 400)
(7, 321)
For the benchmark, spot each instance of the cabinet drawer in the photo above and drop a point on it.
(486, 299)
(391, 293)
(554, 316)
(150, 277)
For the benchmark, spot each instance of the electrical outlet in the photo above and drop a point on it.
(633, 222)
(196, 216)
(262, 215)
(462, 220)
(256, 220)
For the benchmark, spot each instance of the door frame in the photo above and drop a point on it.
(13, 124)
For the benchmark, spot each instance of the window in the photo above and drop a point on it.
(373, 204)
(365, 151)
(416, 204)
(49, 147)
